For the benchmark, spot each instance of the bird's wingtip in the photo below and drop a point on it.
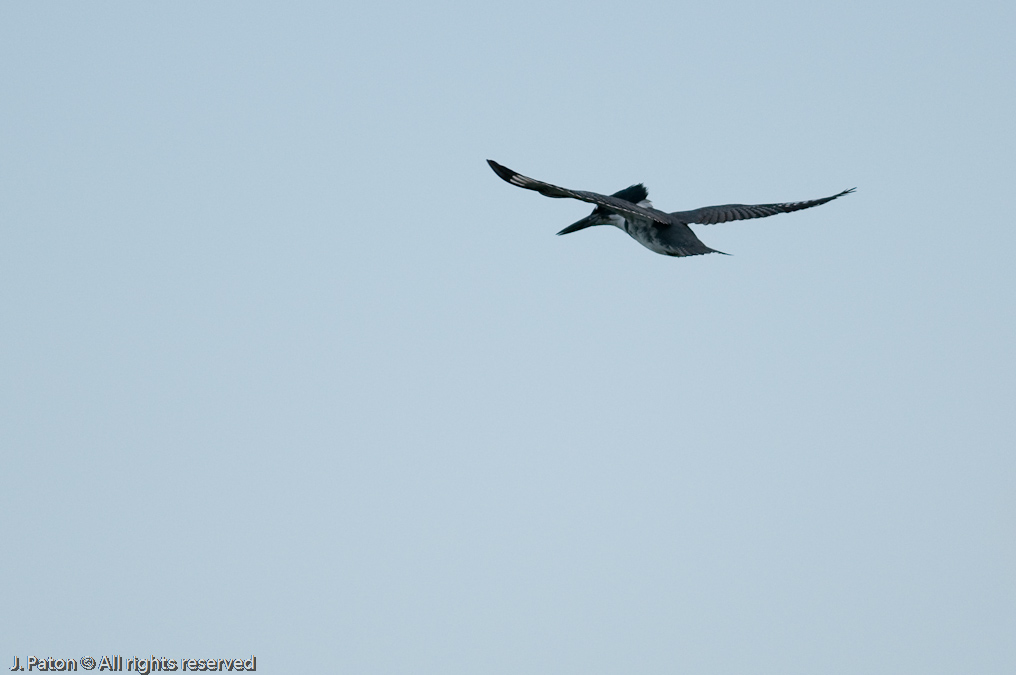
(502, 171)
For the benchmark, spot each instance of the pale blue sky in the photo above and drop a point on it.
(289, 371)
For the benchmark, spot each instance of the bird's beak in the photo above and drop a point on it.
(580, 225)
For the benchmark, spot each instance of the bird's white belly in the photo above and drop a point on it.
(641, 231)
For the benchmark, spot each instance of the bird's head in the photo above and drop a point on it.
(636, 194)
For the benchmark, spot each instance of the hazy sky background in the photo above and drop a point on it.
(288, 371)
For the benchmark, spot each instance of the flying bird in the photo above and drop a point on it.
(631, 210)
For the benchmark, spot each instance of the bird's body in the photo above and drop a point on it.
(631, 211)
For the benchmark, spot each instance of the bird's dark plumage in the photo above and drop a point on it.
(666, 233)
(634, 194)
(614, 203)
(710, 215)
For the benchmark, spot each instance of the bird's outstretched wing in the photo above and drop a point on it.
(710, 215)
(613, 204)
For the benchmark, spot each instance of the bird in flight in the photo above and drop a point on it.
(664, 233)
